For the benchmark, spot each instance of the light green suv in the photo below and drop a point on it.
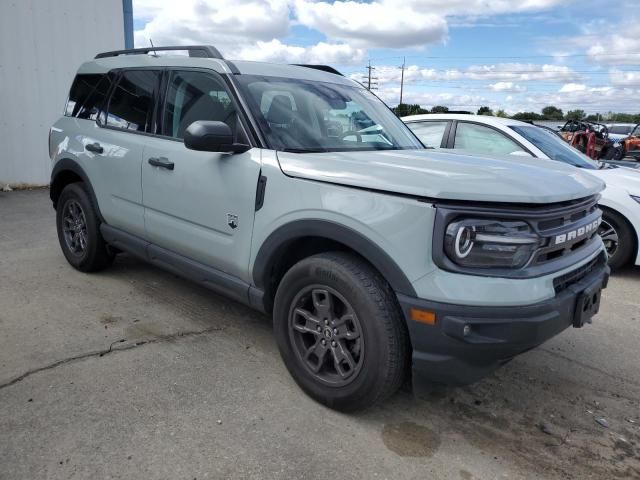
(296, 191)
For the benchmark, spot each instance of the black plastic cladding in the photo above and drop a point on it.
(546, 220)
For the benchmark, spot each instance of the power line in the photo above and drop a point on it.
(449, 57)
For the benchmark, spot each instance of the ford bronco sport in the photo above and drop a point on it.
(296, 191)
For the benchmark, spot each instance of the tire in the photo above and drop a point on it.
(618, 153)
(615, 229)
(78, 228)
(609, 154)
(379, 356)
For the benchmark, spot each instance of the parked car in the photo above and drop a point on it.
(618, 131)
(374, 256)
(590, 138)
(620, 202)
(629, 146)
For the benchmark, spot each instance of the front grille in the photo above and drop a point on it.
(565, 281)
(570, 218)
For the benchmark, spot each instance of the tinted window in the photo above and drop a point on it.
(481, 139)
(430, 133)
(554, 147)
(621, 129)
(131, 103)
(87, 95)
(195, 96)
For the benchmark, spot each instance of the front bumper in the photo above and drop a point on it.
(634, 154)
(469, 342)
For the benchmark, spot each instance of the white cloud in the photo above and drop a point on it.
(590, 99)
(375, 24)
(223, 22)
(479, 8)
(507, 87)
(523, 72)
(622, 47)
(573, 87)
(239, 29)
(256, 28)
(322, 53)
(391, 96)
(504, 74)
(622, 78)
(401, 23)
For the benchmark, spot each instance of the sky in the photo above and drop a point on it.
(515, 55)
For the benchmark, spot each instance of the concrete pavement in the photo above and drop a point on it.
(135, 373)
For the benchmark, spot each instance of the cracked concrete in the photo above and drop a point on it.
(197, 388)
(101, 353)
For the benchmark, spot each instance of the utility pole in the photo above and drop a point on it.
(402, 79)
(370, 85)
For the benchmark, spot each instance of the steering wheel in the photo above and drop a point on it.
(351, 133)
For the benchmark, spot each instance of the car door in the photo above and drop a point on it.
(118, 143)
(432, 133)
(476, 138)
(197, 204)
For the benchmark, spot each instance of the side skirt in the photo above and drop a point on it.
(208, 277)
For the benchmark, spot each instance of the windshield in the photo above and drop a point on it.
(307, 116)
(554, 147)
(621, 129)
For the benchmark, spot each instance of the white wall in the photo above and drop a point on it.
(42, 44)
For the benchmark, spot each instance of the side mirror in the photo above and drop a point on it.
(212, 136)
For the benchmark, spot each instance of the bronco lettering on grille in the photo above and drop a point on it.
(578, 233)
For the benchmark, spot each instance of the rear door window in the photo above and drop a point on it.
(430, 133)
(481, 139)
(132, 100)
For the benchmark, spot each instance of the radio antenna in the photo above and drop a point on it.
(154, 48)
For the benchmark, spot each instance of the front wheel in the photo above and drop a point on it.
(340, 331)
(618, 153)
(617, 237)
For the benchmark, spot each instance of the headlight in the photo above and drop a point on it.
(636, 198)
(490, 243)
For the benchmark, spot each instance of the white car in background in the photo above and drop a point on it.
(620, 202)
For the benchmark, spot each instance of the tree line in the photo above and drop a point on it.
(547, 113)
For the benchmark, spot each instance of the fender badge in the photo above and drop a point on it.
(232, 220)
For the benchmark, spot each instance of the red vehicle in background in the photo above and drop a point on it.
(590, 138)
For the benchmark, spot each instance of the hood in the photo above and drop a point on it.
(450, 176)
(620, 177)
(617, 137)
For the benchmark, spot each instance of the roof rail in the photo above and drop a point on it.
(201, 51)
(324, 68)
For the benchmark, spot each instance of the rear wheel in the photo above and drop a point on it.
(340, 332)
(79, 230)
(617, 237)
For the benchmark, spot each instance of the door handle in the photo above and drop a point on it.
(162, 162)
(94, 147)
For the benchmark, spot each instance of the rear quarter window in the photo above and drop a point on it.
(87, 95)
